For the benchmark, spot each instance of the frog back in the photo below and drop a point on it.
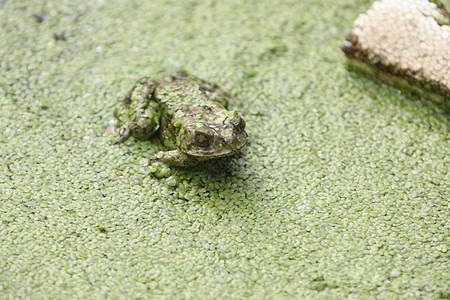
(184, 105)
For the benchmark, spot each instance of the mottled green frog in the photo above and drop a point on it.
(188, 113)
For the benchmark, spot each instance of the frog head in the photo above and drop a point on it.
(215, 139)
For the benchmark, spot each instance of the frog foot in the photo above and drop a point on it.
(125, 133)
(160, 170)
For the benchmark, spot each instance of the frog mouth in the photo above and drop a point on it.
(213, 153)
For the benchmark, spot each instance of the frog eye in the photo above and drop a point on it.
(202, 140)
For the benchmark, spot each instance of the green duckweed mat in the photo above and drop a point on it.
(342, 191)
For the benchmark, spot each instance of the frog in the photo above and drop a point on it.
(190, 115)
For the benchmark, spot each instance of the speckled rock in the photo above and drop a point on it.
(405, 43)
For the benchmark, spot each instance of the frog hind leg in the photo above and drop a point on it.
(212, 90)
(138, 115)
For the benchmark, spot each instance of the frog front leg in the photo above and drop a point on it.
(174, 158)
(160, 164)
(138, 114)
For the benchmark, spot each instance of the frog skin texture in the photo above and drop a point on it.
(189, 115)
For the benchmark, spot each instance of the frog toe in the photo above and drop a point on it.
(124, 135)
